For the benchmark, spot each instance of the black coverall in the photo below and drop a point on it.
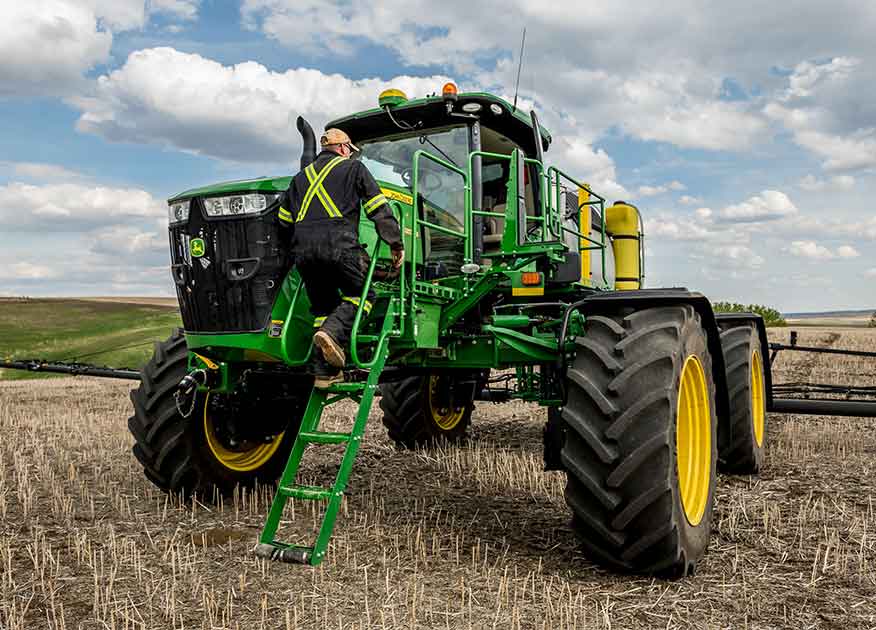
(322, 208)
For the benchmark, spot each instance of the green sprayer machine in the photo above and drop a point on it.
(520, 282)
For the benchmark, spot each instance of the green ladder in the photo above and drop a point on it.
(309, 433)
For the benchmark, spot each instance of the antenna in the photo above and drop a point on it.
(519, 68)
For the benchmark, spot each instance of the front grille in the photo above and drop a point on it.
(232, 286)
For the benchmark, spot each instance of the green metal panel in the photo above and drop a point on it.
(426, 324)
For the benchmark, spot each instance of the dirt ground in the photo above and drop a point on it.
(468, 537)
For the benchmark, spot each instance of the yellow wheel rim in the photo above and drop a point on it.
(758, 414)
(445, 417)
(242, 460)
(693, 441)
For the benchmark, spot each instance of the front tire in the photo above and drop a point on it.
(184, 455)
(641, 450)
(414, 417)
(743, 453)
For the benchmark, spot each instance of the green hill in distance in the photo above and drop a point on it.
(114, 333)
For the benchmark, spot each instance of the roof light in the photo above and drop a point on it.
(391, 98)
(496, 109)
(471, 108)
(450, 92)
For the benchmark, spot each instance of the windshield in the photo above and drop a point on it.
(390, 159)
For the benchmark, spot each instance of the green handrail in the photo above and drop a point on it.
(415, 214)
(554, 175)
(392, 310)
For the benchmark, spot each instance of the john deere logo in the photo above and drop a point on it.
(197, 247)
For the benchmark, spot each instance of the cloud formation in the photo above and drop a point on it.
(47, 46)
(767, 206)
(817, 251)
(72, 207)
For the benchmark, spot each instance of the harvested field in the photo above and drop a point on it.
(469, 537)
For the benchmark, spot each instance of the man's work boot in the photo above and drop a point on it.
(331, 349)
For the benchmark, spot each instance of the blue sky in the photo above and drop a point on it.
(748, 142)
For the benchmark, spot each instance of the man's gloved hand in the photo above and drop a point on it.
(398, 257)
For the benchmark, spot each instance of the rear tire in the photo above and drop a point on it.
(626, 432)
(743, 453)
(412, 418)
(174, 450)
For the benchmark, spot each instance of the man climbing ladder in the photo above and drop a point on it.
(322, 208)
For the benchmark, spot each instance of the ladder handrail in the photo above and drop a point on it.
(391, 311)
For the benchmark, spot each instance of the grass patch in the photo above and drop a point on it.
(69, 330)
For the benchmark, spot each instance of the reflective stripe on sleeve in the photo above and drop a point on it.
(375, 202)
(285, 215)
(319, 321)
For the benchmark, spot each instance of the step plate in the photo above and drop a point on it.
(292, 555)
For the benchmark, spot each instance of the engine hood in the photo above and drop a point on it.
(261, 184)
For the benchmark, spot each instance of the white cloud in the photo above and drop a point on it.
(675, 228)
(767, 206)
(180, 9)
(656, 90)
(48, 45)
(847, 251)
(650, 191)
(38, 171)
(60, 207)
(827, 108)
(126, 241)
(737, 254)
(590, 166)
(704, 213)
(817, 251)
(243, 112)
(871, 273)
(27, 271)
(838, 182)
(689, 200)
(807, 75)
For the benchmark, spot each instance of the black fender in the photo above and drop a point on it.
(612, 302)
(732, 320)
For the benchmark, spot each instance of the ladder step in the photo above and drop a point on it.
(347, 387)
(324, 437)
(283, 552)
(313, 493)
(367, 338)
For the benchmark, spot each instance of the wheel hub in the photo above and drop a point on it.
(693, 440)
(758, 414)
(241, 455)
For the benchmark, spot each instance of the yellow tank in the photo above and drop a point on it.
(584, 228)
(622, 223)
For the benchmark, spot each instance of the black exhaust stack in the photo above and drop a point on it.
(308, 139)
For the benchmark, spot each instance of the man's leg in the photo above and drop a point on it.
(320, 281)
(351, 268)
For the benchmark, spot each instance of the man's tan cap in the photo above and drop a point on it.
(336, 136)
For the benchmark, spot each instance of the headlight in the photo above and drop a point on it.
(178, 211)
(233, 205)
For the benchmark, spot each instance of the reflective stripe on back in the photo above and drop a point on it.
(316, 189)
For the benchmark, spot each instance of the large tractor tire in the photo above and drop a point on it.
(640, 451)
(186, 455)
(743, 450)
(414, 416)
